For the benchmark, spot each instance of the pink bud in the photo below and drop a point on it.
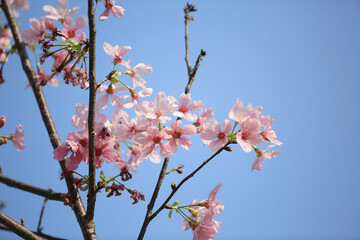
(2, 121)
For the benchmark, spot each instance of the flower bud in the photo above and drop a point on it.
(2, 121)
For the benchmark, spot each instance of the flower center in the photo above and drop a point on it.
(221, 135)
(156, 139)
(176, 134)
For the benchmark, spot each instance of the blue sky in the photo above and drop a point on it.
(297, 59)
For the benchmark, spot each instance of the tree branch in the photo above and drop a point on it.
(43, 235)
(174, 190)
(49, 194)
(91, 118)
(17, 228)
(39, 228)
(87, 230)
(191, 72)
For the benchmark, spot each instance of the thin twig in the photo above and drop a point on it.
(177, 168)
(191, 72)
(43, 235)
(108, 77)
(63, 64)
(18, 228)
(174, 189)
(39, 228)
(91, 198)
(49, 194)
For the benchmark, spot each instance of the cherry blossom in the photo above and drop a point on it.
(62, 11)
(103, 101)
(70, 29)
(155, 111)
(249, 134)
(261, 154)
(151, 139)
(214, 136)
(176, 133)
(110, 6)
(72, 162)
(19, 4)
(37, 33)
(135, 96)
(185, 107)
(239, 112)
(18, 138)
(140, 69)
(116, 52)
(43, 77)
(202, 220)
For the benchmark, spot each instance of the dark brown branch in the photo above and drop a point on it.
(39, 228)
(43, 235)
(191, 72)
(18, 228)
(49, 194)
(91, 198)
(177, 168)
(108, 77)
(87, 230)
(174, 189)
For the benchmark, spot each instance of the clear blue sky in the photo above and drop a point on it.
(298, 59)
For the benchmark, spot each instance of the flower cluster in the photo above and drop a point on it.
(201, 221)
(17, 138)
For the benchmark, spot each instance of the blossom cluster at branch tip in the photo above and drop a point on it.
(201, 221)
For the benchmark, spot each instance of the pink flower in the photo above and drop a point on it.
(261, 154)
(176, 132)
(137, 71)
(239, 112)
(116, 10)
(72, 162)
(42, 76)
(213, 135)
(201, 221)
(61, 12)
(135, 96)
(2, 121)
(19, 4)
(151, 139)
(155, 111)
(70, 29)
(103, 101)
(128, 128)
(18, 138)
(81, 118)
(214, 205)
(201, 122)
(116, 52)
(183, 110)
(249, 134)
(104, 151)
(37, 32)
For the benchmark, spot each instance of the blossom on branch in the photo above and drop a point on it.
(117, 11)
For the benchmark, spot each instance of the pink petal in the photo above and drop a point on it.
(188, 130)
(143, 69)
(80, 23)
(109, 49)
(117, 11)
(217, 144)
(185, 99)
(105, 15)
(185, 143)
(102, 102)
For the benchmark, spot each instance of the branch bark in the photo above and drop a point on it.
(91, 118)
(17, 228)
(49, 194)
(87, 228)
(43, 235)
